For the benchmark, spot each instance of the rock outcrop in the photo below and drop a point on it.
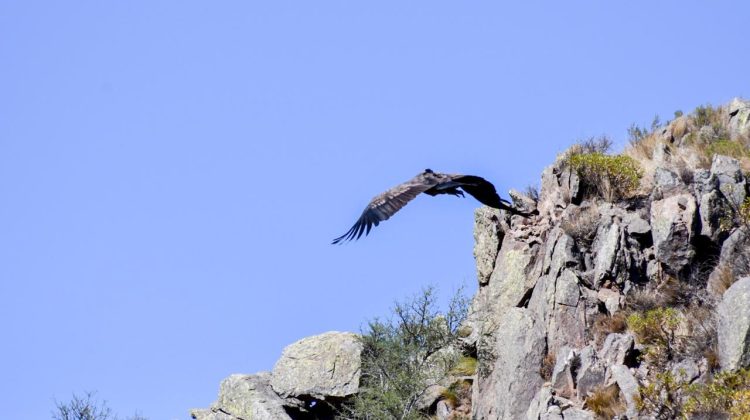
(311, 373)
(322, 366)
(595, 299)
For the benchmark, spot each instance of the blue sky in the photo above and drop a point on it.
(172, 172)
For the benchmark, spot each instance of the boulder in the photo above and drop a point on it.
(247, 397)
(734, 326)
(673, 228)
(321, 366)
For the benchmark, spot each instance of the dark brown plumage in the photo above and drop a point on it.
(385, 205)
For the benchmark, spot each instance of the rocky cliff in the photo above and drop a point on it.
(626, 297)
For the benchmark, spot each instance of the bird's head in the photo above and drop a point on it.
(428, 171)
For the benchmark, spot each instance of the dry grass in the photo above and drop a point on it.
(605, 325)
(548, 365)
(606, 402)
(722, 279)
(643, 148)
(582, 225)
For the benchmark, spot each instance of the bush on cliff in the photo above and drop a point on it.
(405, 355)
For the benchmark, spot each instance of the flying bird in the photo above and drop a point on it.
(385, 205)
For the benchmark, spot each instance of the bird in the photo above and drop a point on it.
(385, 205)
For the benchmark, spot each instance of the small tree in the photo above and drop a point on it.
(86, 407)
(406, 355)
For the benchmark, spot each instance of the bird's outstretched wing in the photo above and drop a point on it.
(485, 193)
(385, 205)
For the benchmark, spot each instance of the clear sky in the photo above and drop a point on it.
(172, 172)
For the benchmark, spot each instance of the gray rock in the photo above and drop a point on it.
(562, 377)
(488, 235)
(578, 414)
(590, 373)
(553, 413)
(606, 246)
(666, 180)
(739, 118)
(570, 184)
(734, 257)
(443, 410)
(730, 179)
(509, 283)
(539, 404)
(512, 384)
(565, 314)
(673, 227)
(661, 152)
(247, 397)
(713, 207)
(635, 225)
(320, 366)
(686, 371)
(567, 291)
(629, 387)
(616, 346)
(611, 300)
(561, 254)
(550, 194)
(522, 201)
(734, 326)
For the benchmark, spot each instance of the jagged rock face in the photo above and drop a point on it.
(245, 397)
(514, 380)
(326, 365)
(734, 326)
(556, 276)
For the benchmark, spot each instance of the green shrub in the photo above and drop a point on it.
(706, 115)
(661, 397)
(466, 366)
(655, 329)
(744, 211)
(726, 393)
(730, 148)
(609, 176)
(404, 355)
